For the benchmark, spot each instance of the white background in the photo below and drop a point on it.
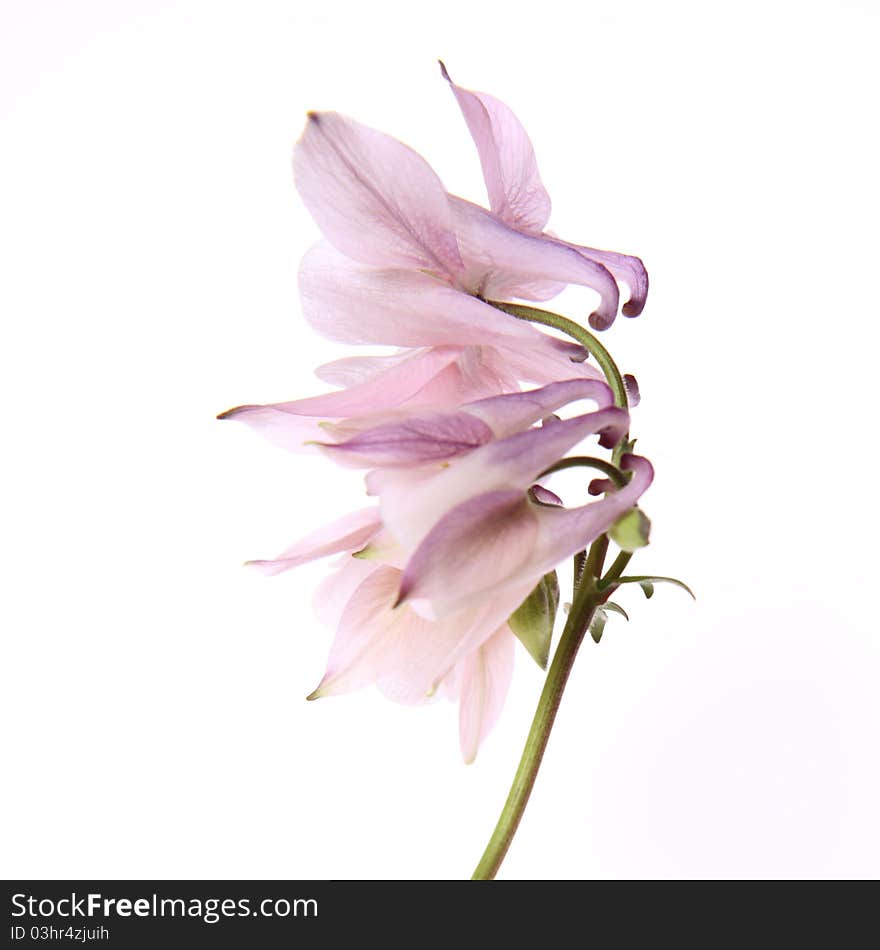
(153, 699)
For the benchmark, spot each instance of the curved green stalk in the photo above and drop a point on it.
(588, 461)
(616, 569)
(586, 600)
(576, 332)
(588, 596)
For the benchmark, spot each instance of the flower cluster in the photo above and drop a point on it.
(457, 427)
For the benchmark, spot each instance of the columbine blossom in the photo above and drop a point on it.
(461, 537)
(396, 234)
(518, 197)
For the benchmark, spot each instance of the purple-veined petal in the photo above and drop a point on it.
(511, 412)
(412, 503)
(374, 198)
(516, 193)
(454, 566)
(421, 438)
(500, 262)
(416, 440)
(349, 533)
(625, 268)
(490, 537)
(484, 677)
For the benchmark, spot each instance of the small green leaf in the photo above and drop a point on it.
(631, 531)
(647, 581)
(597, 624)
(533, 620)
(610, 605)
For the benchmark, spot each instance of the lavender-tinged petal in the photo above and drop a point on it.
(516, 193)
(500, 261)
(541, 535)
(625, 268)
(477, 545)
(563, 532)
(511, 412)
(417, 440)
(413, 503)
(374, 198)
(543, 496)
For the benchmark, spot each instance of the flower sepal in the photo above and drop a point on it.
(532, 622)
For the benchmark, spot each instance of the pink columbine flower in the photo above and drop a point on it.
(402, 249)
(462, 535)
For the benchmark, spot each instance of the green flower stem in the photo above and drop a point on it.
(587, 598)
(616, 569)
(612, 471)
(576, 332)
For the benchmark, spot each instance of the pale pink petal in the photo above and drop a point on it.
(375, 199)
(549, 364)
(484, 676)
(412, 503)
(291, 425)
(349, 533)
(350, 303)
(334, 591)
(452, 567)
(511, 412)
(625, 268)
(516, 193)
(370, 635)
(487, 371)
(276, 425)
(415, 440)
(501, 261)
(352, 370)
(404, 654)
(475, 373)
